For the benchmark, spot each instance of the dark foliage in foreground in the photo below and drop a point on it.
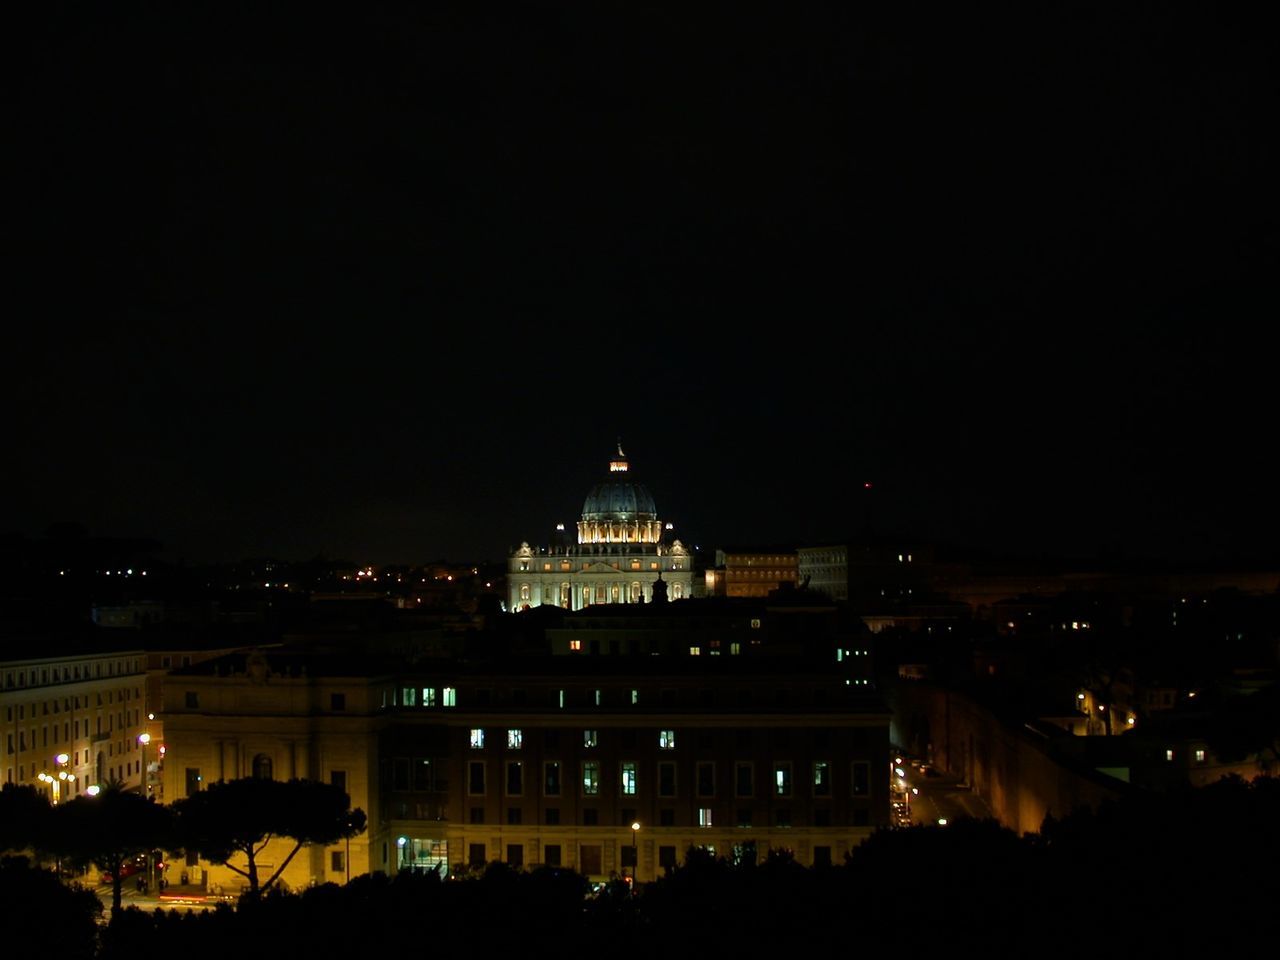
(1137, 878)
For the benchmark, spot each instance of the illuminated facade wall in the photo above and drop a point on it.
(90, 707)
(582, 576)
(758, 574)
(266, 719)
(456, 771)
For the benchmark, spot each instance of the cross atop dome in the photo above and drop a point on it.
(619, 463)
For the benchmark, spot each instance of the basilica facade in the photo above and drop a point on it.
(618, 555)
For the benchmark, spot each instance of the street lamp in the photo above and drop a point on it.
(143, 740)
(635, 855)
(56, 780)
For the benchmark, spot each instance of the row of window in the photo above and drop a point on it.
(39, 677)
(744, 817)
(66, 734)
(67, 704)
(613, 593)
(515, 738)
(431, 697)
(591, 781)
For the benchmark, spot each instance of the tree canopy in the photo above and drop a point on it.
(242, 816)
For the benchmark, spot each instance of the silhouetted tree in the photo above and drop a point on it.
(108, 830)
(24, 814)
(47, 916)
(243, 816)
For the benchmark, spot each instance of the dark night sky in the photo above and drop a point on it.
(389, 287)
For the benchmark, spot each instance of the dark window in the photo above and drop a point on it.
(515, 854)
(822, 818)
(551, 771)
(551, 854)
(628, 816)
(861, 778)
(513, 816)
(400, 773)
(666, 818)
(421, 774)
(193, 858)
(667, 857)
(338, 778)
(191, 698)
(744, 816)
(262, 767)
(552, 815)
(337, 701)
(782, 817)
(193, 781)
(476, 855)
(336, 862)
(515, 778)
(590, 818)
(666, 779)
(742, 777)
(477, 814)
(551, 738)
(706, 779)
(475, 777)
(629, 857)
(822, 856)
(860, 818)
(590, 859)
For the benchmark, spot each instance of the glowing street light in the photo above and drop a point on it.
(635, 856)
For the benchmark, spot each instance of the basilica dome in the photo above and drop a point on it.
(619, 509)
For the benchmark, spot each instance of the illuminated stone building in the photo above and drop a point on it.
(81, 700)
(617, 556)
(547, 760)
(752, 573)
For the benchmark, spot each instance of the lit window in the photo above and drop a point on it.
(575, 644)
(589, 738)
(782, 779)
(477, 738)
(821, 779)
(450, 697)
(551, 778)
(635, 697)
(590, 778)
(629, 779)
(1168, 754)
(666, 739)
(755, 623)
(428, 696)
(561, 699)
(1200, 756)
(597, 698)
(695, 651)
(735, 648)
(408, 696)
(704, 816)
(515, 739)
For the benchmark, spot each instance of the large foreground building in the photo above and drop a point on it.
(608, 765)
(617, 557)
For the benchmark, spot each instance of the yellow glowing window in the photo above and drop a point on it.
(575, 644)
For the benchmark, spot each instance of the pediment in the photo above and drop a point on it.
(601, 567)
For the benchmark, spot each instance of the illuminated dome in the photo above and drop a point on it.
(620, 509)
